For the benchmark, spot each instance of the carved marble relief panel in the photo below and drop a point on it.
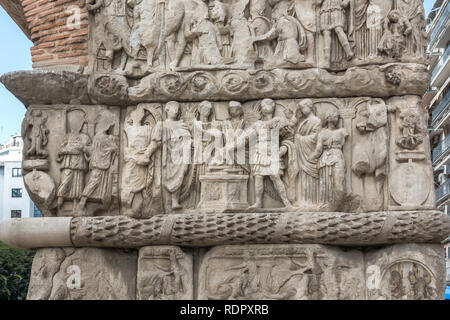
(405, 272)
(279, 272)
(136, 37)
(71, 159)
(410, 181)
(228, 156)
(164, 273)
(83, 274)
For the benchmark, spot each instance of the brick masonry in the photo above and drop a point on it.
(59, 42)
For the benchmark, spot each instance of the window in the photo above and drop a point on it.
(16, 192)
(36, 213)
(16, 172)
(16, 213)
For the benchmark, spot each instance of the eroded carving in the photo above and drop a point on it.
(141, 176)
(406, 272)
(370, 153)
(164, 273)
(308, 272)
(133, 37)
(81, 163)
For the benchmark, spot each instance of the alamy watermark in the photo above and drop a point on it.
(74, 18)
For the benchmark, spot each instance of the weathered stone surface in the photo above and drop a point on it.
(329, 154)
(164, 273)
(137, 38)
(80, 145)
(281, 84)
(42, 189)
(350, 229)
(398, 272)
(29, 86)
(27, 233)
(296, 272)
(108, 89)
(306, 227)
(410, 176)
(203, 123)
(406, 272)
(83, 274)
(47, 87)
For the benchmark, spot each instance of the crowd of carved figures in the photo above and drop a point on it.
(309, 154)
(282, 155)
(133, 37)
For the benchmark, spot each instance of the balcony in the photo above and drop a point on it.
(441, 149)
(440, 109)
(441, 70)
(442, 191)
(436, 37)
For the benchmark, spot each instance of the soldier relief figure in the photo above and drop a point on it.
(265, 161)
(333, 19)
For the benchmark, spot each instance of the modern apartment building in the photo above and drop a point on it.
(437, 100)
(14, 199)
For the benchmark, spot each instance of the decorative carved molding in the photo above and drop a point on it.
(204, 230)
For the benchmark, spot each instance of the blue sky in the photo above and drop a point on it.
(15, 55)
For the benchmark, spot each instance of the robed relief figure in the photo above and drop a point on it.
(176, 152)
(143, 140)
(235, 137)
(73, 157)
(330, 142)
(100, 186)
(305, 141)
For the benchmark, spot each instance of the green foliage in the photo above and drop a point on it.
(15, 268)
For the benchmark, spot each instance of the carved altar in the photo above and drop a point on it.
(237, 149)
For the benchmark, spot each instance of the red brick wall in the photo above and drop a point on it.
(56, 43)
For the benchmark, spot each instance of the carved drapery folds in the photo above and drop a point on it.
(202, 106)
(347, 155)
(280, 128)
(134, 38)
(82, 162)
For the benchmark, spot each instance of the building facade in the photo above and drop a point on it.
(437, 100)
(14, 199)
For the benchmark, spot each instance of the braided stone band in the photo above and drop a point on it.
(192, 230)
